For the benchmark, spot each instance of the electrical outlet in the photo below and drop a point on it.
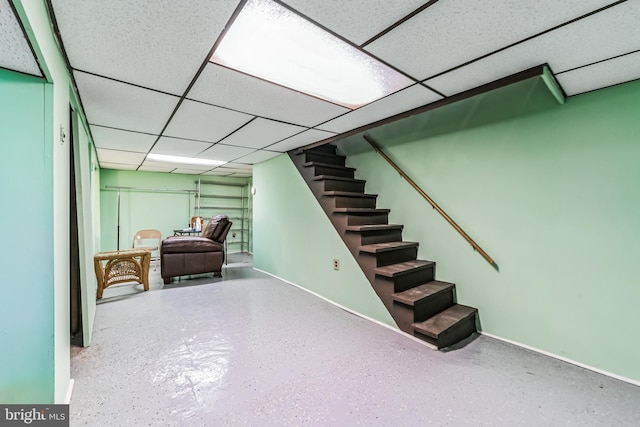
(336, 264)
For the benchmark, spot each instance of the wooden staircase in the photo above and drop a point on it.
(419, 304)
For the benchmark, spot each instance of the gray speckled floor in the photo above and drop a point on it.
(250, 350)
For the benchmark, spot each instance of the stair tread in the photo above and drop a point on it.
(400, 268)
(320, 153)
(349, 194)
(328, 165)
(336, 178)
(374, 227)
(439, 323)
(414, 295)
(387, 246)
(360, 210)
(325, 148)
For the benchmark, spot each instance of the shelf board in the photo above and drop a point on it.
(223, 207)
(214, 196)
(227, 184)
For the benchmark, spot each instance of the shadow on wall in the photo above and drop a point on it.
(528, 97)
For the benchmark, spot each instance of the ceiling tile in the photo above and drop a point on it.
(606, 34)
(448, 34)
(105, 165)
(156, 168)
(603, 74)
(300, 140)
(225, 152)
(188, 171)
(232, 170)
(356, 20)
(179, 147)
(159, 44)
(121, 157)
(230, 89)
(119, 105)
(15, 52)
(239, 166)
(258, 156)
(218, 172)
(399, 102)
(116, 139)
(195, 120)
(262, 132)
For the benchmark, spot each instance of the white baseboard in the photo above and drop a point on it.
(67, 398)
(546, 353)
(564, 359)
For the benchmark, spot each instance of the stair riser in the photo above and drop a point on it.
(353, 187)
(383, 259)
(410, 280)
(327, 148)
(361, 219)
(310, 156)
(405, 315)
(371, 237)
(324, 170)
(433, 305)
(454, 334)
(353, 202)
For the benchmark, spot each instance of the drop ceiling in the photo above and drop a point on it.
(147, 86)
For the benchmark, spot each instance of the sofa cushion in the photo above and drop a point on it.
(189, 244)
(215, 227)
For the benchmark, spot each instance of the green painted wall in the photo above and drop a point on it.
(48, 115)
(27, 286)
(164, 211)
(294, 240)
(551, 192)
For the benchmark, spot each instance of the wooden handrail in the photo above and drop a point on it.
(433, 204)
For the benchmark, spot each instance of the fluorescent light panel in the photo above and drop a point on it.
(271, 42)
(184, 160)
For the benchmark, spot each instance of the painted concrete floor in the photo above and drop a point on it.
(250, 350)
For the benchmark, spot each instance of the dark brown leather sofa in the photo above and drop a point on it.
(184, 255)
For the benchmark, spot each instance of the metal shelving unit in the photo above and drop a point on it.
(217, 197)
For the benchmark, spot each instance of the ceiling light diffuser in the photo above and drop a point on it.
(269, 41)
(184, 160)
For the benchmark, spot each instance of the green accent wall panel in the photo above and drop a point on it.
(27, 286)
(551, 192)
(294, 240)
(160, 210)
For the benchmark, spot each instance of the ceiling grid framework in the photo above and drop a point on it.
(147, 86)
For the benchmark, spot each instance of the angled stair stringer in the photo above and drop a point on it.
(419, 304)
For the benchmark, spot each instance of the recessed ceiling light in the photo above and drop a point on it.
(185, 160)
(269, 41)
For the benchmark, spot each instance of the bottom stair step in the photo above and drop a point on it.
(448, 327)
